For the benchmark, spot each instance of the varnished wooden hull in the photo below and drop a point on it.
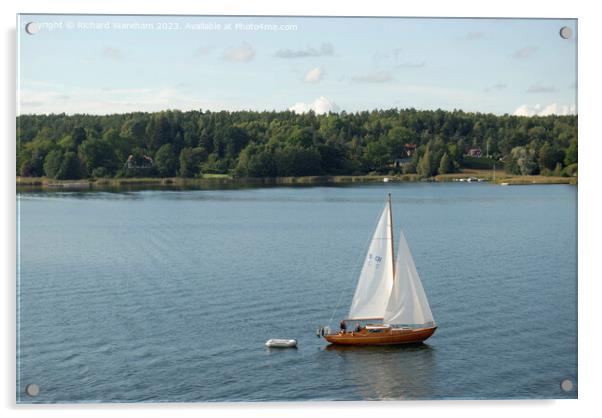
(387, 337)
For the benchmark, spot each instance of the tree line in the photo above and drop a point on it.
(270, 144)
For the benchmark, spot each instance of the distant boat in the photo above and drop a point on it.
(504, 184)
(389, 293)
(386, 179)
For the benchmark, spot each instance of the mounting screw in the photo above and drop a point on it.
(566, 385)
(32, 389)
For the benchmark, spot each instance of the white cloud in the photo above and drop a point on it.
(524, 110)
(539, 88)
(324, 51)
(314, 75)
(40, 98)
(243, 53)
(539, 110)
(320, 106)
(556, 109)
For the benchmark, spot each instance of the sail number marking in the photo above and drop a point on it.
(374, 259)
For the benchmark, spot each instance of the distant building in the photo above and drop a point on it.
(399, 161)
(475, 152)
(406, 155)
(409, 149)
(142, 162)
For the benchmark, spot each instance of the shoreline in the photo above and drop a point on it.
(224, 181)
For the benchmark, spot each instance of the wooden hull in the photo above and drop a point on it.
(386, 337)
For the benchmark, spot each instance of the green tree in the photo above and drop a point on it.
(236, 139)
(445, 165)
(557, 170)
(79, 135)
(133, 131)
(71, 167)
(242, 166)
(293, 161)
(425, 165)
(27, 169)
(571, 154)
(53, 163)
(100, 172)
(158, 132)
(262, 164)
(30, 158)
(546, 157)
(454, 153)
(337, 143)
(522, 161)
(190, 161)
(122, 147)
(570, 170)
(377, 155)
(98, 153)
(68, 143)
(59, 165)
(302, 137)
(397, 138)
(332, 157)
(166, 161)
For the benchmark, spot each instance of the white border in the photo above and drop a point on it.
(590, 137)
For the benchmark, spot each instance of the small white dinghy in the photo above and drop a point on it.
(280, 343)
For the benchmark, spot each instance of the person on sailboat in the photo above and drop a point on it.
(357, 327)
(343, 326)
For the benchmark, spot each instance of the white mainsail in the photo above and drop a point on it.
(408, 303)
(376, 278)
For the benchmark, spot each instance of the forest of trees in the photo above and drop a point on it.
(270, 144)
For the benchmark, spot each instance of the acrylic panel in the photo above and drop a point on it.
(198, 197)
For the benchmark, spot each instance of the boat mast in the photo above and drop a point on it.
(391, 232)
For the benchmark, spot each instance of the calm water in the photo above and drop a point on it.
(171, 295)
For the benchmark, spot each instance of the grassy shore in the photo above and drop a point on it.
(500, 177)
(222, 180)
(207, 181)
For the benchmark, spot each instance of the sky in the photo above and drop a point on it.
(118, 64)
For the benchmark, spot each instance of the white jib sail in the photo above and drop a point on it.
(376, 279)
(408, 303)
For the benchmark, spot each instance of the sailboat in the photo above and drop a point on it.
(389, 295)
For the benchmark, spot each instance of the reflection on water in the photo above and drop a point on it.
(194, 185)
(389, 372)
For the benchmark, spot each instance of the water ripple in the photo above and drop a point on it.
(169, 296)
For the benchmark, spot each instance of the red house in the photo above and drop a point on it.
(475, 152)
(409, 149)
